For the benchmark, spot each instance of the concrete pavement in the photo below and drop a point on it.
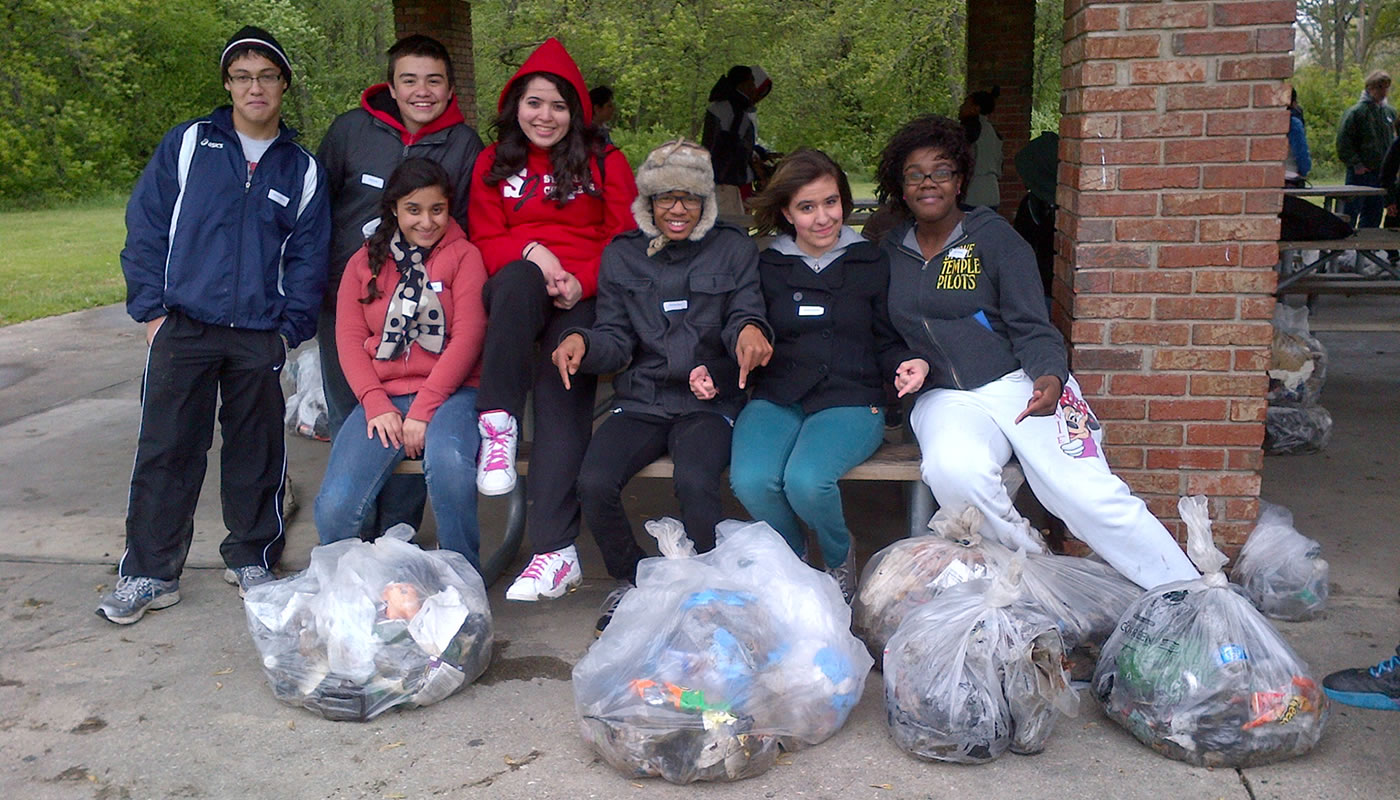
(177, 705)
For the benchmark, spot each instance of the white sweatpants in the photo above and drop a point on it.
(966, 436)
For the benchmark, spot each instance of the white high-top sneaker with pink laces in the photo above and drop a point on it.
(548, 575)
(495, 464)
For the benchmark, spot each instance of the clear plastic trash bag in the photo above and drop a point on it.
(714, 662)
(975, 672)
(370, 626)
(1291, 430)
(1197, 674)
(1085, 598)
(1282, 571)
(306, 413)
(1298, 366)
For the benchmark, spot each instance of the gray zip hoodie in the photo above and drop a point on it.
(975, 311)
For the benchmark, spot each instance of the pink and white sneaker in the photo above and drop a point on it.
(548, 575)
(495, 464)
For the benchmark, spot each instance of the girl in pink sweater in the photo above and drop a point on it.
(409, 328)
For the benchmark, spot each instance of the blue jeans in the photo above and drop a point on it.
(1365, 212)
(786, 464)
(359, 467)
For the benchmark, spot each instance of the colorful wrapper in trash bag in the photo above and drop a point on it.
(1197, 674)
(306, 413)
(1298, 366)
(715, 662)
(1085, 598)
(1282, 571)
(368, 627)
(1292, 430)
(976, 671)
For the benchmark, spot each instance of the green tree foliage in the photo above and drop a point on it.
(845, 73)
(89, 87)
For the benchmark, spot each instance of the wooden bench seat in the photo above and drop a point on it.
(1345, 284)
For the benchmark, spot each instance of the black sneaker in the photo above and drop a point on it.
(134, 596)
(610, 605)
(247, 577)
(1375, 687)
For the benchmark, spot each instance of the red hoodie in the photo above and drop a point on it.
(454, 266)
(380, 104)
(506, 217)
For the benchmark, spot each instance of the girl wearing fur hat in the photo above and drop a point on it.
(818, 409)
(679, 311)
(545, 199)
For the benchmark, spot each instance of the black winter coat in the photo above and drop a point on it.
(835, 344)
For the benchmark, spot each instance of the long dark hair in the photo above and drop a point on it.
(570, 157)
(942, 134)
(800, 168)
(413, 174)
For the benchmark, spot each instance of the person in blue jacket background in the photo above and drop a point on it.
(225, 263)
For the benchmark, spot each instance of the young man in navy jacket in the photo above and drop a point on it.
(225, 263)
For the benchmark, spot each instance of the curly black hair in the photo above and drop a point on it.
(571, 157)
(942, 134)
(801, 167)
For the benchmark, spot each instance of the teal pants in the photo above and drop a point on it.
(786, 463)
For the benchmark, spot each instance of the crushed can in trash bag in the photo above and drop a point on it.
(1282, 571)
(1297, 430)
(976, 671)
(1197, 674)
(715, 663)
(371, 626)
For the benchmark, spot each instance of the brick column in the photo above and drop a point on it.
(450, 22)
(1172, 144)
(1001, 52)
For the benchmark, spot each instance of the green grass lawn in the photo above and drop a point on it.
(60, 260)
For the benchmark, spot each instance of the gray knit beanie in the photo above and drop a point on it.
(677, 166)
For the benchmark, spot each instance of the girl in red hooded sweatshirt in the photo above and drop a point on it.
(545, 199)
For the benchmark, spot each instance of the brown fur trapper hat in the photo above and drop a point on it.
(676, 166)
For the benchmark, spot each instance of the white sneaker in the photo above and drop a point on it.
(548, 575)
(495, 464)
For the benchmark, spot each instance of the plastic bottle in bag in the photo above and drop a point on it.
(1281, 570)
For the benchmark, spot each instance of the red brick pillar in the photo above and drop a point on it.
(1001, 52)
(1172, 145)
(450, 22)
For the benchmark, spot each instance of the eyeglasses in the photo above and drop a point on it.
(266, 80)
(668, 201)
(940, 175)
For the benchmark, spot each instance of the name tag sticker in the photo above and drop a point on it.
(435, 285)
(372, 180)
(675, 305)
(958, 252)
(811, 311)
(278, 198)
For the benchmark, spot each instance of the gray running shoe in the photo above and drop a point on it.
(845, 576)
(247, 577)
(610, 605)
(134, 596)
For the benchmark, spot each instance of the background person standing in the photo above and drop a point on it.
(1365, 133)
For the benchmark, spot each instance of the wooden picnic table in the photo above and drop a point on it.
(1331, 193)
(1313, 278)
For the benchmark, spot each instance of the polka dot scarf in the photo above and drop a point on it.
(415, 312)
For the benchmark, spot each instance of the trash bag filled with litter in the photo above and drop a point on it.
(1282, 571)
(714, 662)
(1085, 598)
(1197, 674)
(975, 672)
(1298, 366)
(306, 413)
(1292, 430)
(370, 626)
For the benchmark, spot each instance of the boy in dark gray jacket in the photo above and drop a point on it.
(681, 314)
(414, 115)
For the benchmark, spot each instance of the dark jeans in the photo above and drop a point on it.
(190, 367)
(1365, 212)
(403, 496)
(624, 444)
(524, 328)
